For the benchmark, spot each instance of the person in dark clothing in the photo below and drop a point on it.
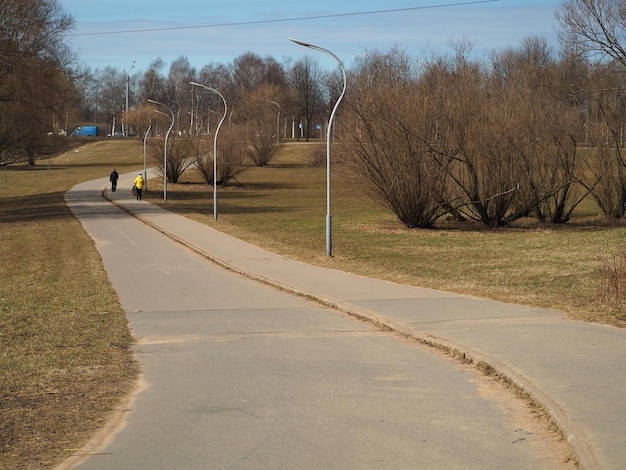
(113, 179)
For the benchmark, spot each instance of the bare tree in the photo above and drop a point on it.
(250, 71)
(180, 93)
(207, 106)
(305, 78)
(111, 85)
(88, 89)
(34, 74)
(152, 83)
(595, 27)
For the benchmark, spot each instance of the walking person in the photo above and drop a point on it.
(139, 182)
(113, 179)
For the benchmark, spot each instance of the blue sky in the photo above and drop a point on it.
(209, 31)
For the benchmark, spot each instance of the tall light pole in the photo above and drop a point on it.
(145, 170)
(277, 122)
(125, 120)
(171, 116)
(214, 144)
(145, 138)
(329, 230)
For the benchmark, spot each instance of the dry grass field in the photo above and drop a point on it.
(282, 207)
(65, 348)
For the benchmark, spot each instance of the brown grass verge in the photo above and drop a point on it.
(65, 357)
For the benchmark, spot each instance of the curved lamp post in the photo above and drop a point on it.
(171, 116)
(214, 145)
(125, 120)
(329, 232)
(145, 171)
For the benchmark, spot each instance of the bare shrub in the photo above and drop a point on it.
(316, 155)
(612, 277)
(231, 156)
(204, 158)
(257, 120)
(180, 156)
(606, 181)
(387, 150)
(541, 132)
(594, 29)
(472, 137)
(263, 146)
(507, 131)
(606, 175)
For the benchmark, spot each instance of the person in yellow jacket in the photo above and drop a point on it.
(139, 182)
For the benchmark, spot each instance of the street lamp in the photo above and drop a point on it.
(171, 116)
(214, 145)
(329, 233)
(145, 138)
(277, 122)
(125, 120)
(145, 171)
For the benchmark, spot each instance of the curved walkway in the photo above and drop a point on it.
(575, 370)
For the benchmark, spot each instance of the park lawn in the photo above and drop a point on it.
(282, 207)
(66, 359)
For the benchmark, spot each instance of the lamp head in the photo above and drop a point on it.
(300, 43)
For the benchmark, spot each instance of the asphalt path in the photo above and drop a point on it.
(239, 374)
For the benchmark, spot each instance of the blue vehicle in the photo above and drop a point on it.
(86, 131)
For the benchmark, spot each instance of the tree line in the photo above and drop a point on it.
(529, 131)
